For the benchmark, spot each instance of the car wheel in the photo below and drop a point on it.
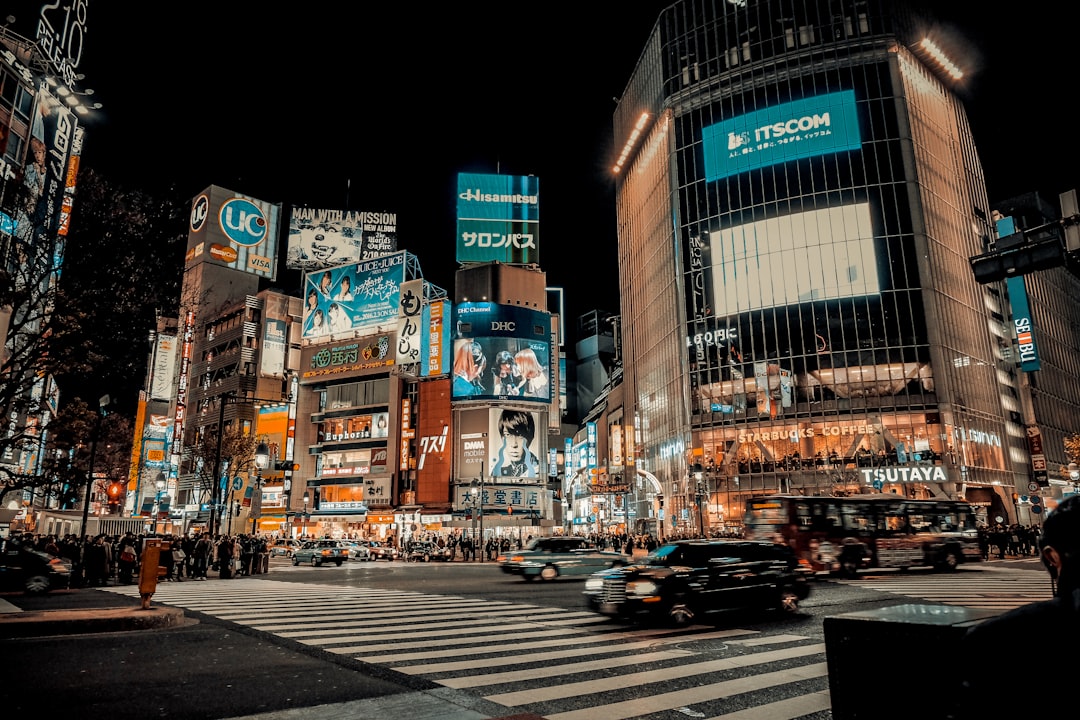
(549, 572)
(296, 561)
(37, 584)
(315, 562)
(680, 615)
(950, 562)
(789, 602)
(528, 577)
(338, 562)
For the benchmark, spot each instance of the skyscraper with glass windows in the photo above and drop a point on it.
(798, 196)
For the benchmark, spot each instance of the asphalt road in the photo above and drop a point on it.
(209, 668)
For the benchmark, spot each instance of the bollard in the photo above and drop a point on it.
(148, 570)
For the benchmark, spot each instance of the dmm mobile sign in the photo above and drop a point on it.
(804, 128)
(498, 219)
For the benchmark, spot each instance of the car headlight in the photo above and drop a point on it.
(594, 584)
(642, 587)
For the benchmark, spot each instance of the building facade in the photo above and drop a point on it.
(798, 197)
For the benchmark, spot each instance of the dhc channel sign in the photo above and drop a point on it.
(791, 131)
(242, 222)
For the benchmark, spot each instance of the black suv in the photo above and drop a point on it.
(683, 580)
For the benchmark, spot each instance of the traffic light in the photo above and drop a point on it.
(236, 508)
(286, 465)
(115, 494)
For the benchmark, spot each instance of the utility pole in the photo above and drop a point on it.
(102, 402)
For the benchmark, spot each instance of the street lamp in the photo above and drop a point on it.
(262, 461)
(307, 499)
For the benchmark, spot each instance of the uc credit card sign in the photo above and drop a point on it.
(234, 230)
(803, 128)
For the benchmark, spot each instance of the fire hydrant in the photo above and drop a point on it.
(148, 571)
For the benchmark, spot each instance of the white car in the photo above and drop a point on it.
(357, 551)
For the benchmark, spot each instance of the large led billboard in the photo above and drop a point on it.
(815, 255)
(233, 231)
(501, 352)
(498, 219)
(322, 238)
(813, 126)
(351, 300)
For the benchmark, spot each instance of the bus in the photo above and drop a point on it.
(842, 535)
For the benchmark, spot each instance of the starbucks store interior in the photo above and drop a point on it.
(900, 453)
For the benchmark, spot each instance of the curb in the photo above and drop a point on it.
(96, 620)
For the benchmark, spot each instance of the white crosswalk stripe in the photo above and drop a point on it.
(550, 661)
(983, 589)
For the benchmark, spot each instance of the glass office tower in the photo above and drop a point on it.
(798, 198)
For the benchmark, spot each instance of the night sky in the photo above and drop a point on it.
(381, 110)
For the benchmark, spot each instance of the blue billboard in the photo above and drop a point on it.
(501, 352)
(804, 128)
(233, 230)
(498, 219)
(352, 300)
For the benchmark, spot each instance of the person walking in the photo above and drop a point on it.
(201, 556)
(128, 561)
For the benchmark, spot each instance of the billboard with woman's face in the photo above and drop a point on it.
(501, 352)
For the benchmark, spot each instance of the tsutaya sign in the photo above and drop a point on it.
(914, 473)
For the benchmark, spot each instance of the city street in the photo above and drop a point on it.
(454, 638)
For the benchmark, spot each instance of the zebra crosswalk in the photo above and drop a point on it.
(978, 588)
(565, 665)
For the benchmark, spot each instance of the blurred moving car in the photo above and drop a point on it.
(32, 571)
(548, 558)
(685, 580)
(320, 552)
(284, 547)
(357, 551)
(380, 550)
(427, 552)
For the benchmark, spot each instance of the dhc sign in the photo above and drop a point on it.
(804, 128)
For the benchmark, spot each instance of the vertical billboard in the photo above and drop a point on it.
(435, 341)
(410, 327)
(322, 238)
(233, 231)
(498, 219)
(163, 371)
(353, 299)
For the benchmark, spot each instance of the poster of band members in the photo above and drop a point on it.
(349, 300)
(501, 352)
(321, 238)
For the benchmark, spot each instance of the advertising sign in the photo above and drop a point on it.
(435, 340)
(164, 367)
(350, 300)
(498, 219)
(804, 128)
(410, 327)
(514, 449)
(321, 238)
(1023, 324)
(273, 349)
(501, 352)
(235, 231)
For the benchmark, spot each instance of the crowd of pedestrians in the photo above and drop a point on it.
(115, 560)
(1014, 540)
